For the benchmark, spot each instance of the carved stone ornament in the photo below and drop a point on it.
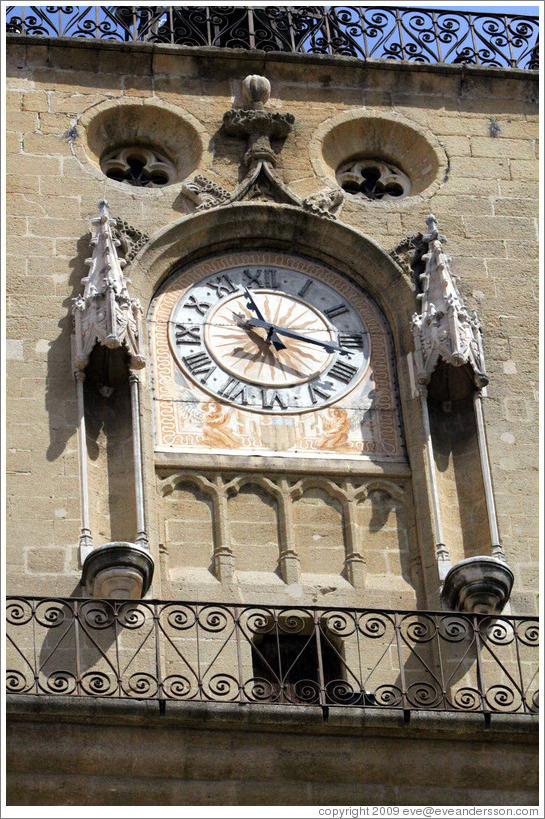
(131, 238)
(261, 180)
(105, 312)
(205, 193)
(406, 253)
(477, 585)
(445, 328)
(325, 203)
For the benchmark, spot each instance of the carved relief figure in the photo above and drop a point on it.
(336, 427)
(216, 431)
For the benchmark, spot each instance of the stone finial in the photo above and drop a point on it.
(105, 313)
(256, 90)
(444, 328)
(255, 124)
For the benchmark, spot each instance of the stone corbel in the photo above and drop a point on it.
(477, 585)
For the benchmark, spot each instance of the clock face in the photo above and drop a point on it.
(269, 339)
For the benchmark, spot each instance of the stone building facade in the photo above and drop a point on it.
(394, 471)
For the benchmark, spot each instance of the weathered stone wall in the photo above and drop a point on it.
(127, 755)
(476, 129)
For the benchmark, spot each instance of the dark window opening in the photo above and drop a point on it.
(288, 668)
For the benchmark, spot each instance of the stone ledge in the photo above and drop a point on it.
(510, 728)
(272, 463)
(275, 56)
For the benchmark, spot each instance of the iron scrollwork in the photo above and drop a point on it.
(207, 652)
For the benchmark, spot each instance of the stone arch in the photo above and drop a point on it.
(245, 225)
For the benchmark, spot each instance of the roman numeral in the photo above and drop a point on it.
(235, 391)
(305, 287)
(269, 397)
(199, 364)
(317, 388)
(262, 277)
(187, 335)
(336, 311)
(200, 306)
(223, 286)
(343, 372)
(351, 340)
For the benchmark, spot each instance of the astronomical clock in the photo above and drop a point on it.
(266, 352)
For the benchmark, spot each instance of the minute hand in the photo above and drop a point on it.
(253, 306)
(329, 346)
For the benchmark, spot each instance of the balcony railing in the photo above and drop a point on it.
(207, 652)
(419, 35)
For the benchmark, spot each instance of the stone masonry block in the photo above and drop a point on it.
(78, 59)
(67, 102)
(34, 165)
(520, 188)
(516, 207)
(502, 227)
(35, 101)
(45, 560)
(13, 142)
(13, 101)
(46, 144)
(77, 81)
(480, 167)
(22, 122)
(18, 460)
(524, 169)
(514, 148)
(22, 184)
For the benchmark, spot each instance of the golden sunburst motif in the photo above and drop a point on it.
(243, 350)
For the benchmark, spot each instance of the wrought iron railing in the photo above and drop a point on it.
(416, 34)
(365, 658)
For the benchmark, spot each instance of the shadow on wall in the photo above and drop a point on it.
(107, 416)
(60, 397)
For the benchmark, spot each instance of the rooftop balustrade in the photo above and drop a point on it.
(410, 34)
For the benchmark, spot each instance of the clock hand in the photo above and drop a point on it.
(271, 335)
(329, 346)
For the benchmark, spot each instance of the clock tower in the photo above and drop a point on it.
(271, 407)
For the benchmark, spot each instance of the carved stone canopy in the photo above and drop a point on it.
(105, 313)
(444, 329)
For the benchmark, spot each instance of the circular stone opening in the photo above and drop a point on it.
(143, 145)
(374, 157)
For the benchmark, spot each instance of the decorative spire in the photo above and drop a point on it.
(105, 312)
(445, 328)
